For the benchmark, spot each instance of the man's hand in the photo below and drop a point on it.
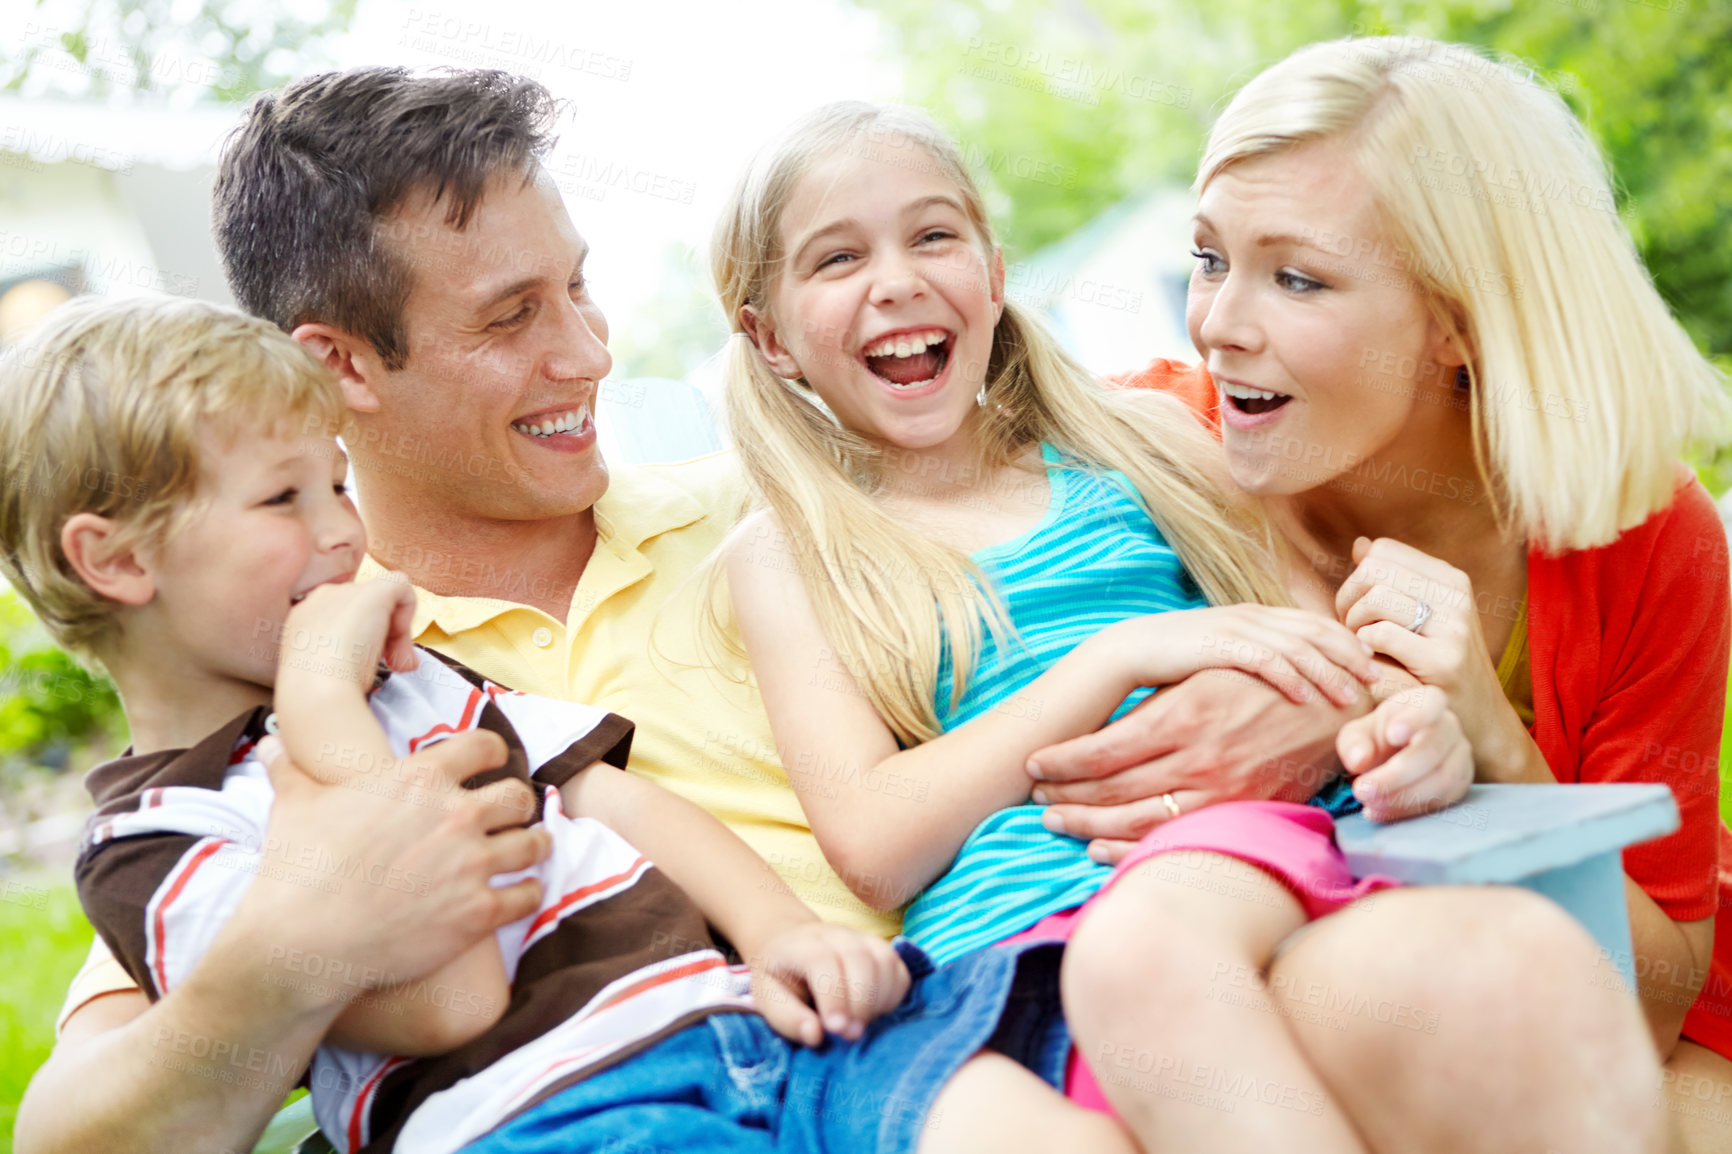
(819, 976)
(416, 853)
(1216, 736)
(355, 886)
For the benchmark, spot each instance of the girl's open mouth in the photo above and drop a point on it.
(909, 360)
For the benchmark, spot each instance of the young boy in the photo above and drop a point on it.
(218, 565)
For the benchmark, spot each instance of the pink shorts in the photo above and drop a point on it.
(1293, 843)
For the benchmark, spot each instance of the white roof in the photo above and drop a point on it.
(51, 130)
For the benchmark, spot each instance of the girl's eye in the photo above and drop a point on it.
(286, 497)
(1211, 263)
(835, 258)
(1297, 282)
(340, 489)
(935, 234)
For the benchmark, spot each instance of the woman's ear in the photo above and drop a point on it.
(91, 545)
(1446, 341)
(351, 359)
(997, 272)
(762, 332)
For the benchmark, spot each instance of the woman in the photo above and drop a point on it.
(1432, 351)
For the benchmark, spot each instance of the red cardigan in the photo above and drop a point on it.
(1628, 649)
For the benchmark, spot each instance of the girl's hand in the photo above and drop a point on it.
(1291, 649)
(1408, 756)
(1380, 601)
(820, 977)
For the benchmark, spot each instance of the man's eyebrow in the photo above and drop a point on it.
(525, 283)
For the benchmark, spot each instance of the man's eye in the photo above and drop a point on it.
(579, 286)
(511, 321)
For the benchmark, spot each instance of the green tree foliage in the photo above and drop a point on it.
(221, 50)
(1069, 107)
(48, 702)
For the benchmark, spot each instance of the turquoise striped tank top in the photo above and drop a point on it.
(1094, 559)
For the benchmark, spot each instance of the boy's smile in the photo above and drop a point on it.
(273, 521)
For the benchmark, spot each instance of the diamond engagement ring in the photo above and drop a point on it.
(1420, 616)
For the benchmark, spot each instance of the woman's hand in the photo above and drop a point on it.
(1293, 650)
(1380, 601)
(818, 976)
(1408, 756)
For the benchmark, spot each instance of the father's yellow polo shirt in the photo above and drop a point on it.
(634, 642)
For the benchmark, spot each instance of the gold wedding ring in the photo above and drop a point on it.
(1173, 809)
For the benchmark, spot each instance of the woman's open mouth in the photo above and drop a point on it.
(909, 360)
(1253, 402)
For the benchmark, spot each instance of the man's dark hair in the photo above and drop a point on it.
(309, 181)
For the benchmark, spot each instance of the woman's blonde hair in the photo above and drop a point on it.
(1583, 388)
(887, 597)
(101, 407)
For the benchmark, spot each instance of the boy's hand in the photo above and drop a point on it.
(336, 635)
(1408, 755)
(819, 977)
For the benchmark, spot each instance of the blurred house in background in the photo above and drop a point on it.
(1114, 290)
(104, 199)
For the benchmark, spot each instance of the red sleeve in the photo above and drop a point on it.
(1189, 383)
(1661, 666)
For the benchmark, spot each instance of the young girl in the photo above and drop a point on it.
(971, 551)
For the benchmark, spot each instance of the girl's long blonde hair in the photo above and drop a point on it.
(888, 597)
(1584, 389)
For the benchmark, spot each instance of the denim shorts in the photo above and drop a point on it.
(731, 1084)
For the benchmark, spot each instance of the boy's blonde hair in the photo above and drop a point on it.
(1584, 389)
(101, 406)
(889, 598)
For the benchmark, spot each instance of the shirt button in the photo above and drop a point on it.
(543, 637)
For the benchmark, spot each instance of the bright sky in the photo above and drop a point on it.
(669, 99)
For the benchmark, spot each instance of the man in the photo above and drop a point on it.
(401, 229)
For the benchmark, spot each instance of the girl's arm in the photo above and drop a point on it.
(798, 962)
(891, 822)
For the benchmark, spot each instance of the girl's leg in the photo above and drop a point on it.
(994, 1106)
(1699, 1098)
(1469, 1021)
(1163, 989)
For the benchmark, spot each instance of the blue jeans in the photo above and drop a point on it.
(730, 1084)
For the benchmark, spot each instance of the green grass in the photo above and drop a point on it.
(46, 938)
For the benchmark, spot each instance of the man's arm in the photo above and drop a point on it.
(1216, 736)
(204, 1068)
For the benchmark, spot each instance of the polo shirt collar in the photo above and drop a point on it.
(637, 506)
